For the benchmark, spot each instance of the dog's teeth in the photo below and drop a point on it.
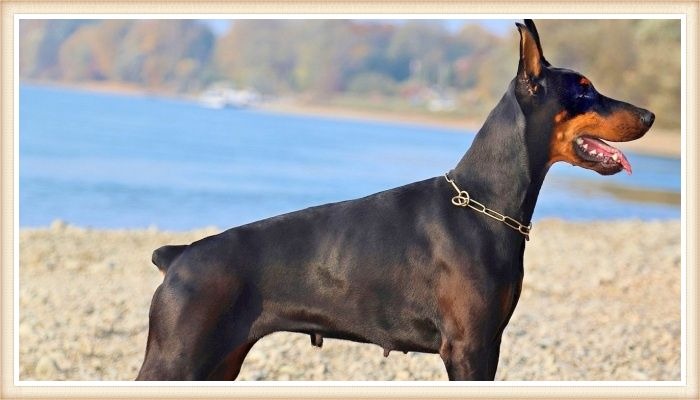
(592, 152)
(585, 146)
(615, 156)
(579, 141)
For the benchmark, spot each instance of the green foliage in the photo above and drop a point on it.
(388, 63)
(372, 83)
(40, 43)
(168, 54)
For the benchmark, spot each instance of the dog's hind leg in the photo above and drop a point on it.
(229, 368)
(199, 320)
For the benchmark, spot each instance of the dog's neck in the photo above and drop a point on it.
(498, 170)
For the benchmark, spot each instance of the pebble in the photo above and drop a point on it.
(73, 265)
(600, 301)
(46, 368)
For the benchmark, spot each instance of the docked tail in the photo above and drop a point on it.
(162, 257)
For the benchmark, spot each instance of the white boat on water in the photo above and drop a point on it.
(217, 98)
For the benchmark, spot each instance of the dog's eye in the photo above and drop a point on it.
(585, 91)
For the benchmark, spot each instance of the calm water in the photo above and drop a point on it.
(116, 161)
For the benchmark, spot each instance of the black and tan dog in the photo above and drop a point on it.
(434, 266)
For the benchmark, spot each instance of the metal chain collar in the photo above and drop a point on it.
(463, 200)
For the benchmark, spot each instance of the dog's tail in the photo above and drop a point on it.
(163, 256)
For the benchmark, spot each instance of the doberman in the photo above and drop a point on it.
(434, 266)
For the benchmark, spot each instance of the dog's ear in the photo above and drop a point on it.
(531, 59)
(530, 24)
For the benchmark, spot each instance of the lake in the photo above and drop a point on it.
(116, 161)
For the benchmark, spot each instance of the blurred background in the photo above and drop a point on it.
(455, 66)
(184, 123)
(138, 133)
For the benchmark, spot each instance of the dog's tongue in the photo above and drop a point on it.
(597, 147)
(625, 164)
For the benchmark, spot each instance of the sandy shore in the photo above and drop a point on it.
(600, 301)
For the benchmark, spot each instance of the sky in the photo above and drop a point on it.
(497, 26)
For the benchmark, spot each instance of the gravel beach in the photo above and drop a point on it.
(600, 301)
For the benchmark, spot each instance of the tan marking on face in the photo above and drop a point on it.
(621, 126)
(560, 116)
(584, 81)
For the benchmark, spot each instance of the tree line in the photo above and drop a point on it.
(372, 62)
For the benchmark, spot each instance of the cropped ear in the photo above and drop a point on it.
(530, 24)
(531, 59)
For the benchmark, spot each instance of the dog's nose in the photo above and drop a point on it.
(647, 117)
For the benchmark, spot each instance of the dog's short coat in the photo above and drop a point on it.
(404, 269)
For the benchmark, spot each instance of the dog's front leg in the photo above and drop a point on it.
(466, 361)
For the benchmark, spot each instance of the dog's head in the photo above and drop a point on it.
(564, 109)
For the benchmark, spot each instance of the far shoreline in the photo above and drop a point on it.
(657, 142)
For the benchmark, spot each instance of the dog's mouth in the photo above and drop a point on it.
(600, 156)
